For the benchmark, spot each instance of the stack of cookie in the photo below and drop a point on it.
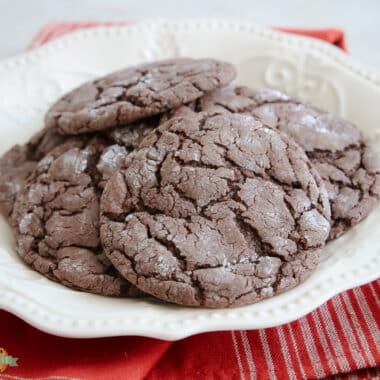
(164, 179)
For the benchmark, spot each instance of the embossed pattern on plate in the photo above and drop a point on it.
(307, 68)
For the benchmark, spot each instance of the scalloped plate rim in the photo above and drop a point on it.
(358, 68)
(39, 316)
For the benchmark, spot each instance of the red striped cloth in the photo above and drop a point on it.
(339, 340)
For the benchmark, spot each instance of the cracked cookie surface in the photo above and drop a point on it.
(136, 92)
(19, 162)
(131, 135)
(56, 217)
(347, 164)
(215, 210)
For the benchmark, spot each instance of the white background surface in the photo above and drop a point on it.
(21, 19)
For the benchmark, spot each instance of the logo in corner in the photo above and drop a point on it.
(6, 360)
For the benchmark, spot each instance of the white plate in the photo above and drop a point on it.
(307, 68)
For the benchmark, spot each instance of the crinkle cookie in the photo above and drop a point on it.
(135, 93)
(347, 164)
(215, 211)
(131, 135)
(19, 162)
(56, 217)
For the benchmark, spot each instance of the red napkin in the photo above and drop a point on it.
(341, 339)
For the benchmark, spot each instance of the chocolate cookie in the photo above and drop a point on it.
(56, 217)
(19, 162)
(348, 166)
(136, 92)
(131, 135)
(346, 163)
(216, 211)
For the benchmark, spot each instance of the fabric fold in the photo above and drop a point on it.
(339, 340)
